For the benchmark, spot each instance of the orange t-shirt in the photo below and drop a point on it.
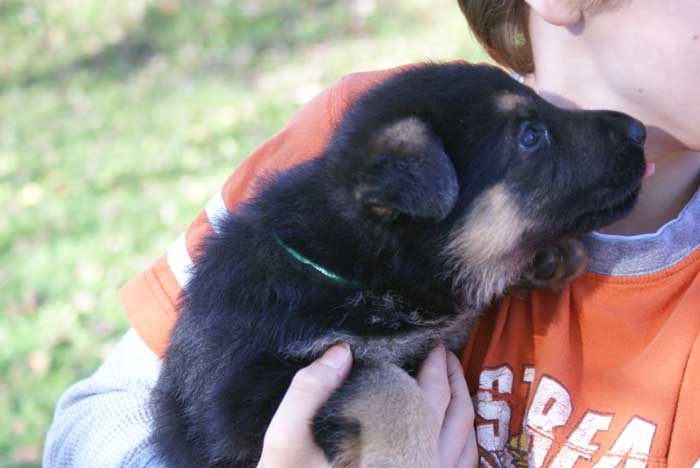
(605, 373)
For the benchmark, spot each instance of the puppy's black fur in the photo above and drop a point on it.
(436, 191)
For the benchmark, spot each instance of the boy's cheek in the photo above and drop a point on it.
(654, 69)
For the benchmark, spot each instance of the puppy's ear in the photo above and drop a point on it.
(410, 174)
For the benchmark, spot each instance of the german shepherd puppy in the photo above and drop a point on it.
(436, 191)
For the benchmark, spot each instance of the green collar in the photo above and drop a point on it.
(300, 258)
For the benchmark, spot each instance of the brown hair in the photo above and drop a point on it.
(501, 26)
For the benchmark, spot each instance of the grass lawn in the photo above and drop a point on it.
(118, 120)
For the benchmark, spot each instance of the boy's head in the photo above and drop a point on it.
(641, 57)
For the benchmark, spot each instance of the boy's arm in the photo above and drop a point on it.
(104, 420)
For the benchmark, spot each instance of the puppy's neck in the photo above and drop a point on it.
(300, 208)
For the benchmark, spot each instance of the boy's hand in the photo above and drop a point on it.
(442, 380)
(289, 442)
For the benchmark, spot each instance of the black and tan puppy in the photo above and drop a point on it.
(435, 193)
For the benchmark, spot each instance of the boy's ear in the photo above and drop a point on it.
(558, 12)
(410, 176)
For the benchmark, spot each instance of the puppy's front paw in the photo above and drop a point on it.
(554, 267)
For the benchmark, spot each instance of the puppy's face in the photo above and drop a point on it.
(552, 173)
(532, 175)
(535, 174)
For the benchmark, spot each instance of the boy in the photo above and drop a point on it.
(604, 373)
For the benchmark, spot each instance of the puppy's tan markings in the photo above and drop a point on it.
(492, 228)
(483, 251)
(508, 102)
(394, 422)
(409, 135)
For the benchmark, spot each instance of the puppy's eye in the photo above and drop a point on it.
(531, 136)
(385, 214)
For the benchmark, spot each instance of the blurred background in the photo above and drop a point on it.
(118, 120)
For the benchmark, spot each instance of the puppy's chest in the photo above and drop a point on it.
(405, 348)
(389, 329)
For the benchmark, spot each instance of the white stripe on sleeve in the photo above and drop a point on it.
(216, 210)
(179, 260)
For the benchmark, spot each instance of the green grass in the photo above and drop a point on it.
(118, 120)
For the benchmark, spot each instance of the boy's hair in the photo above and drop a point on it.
(501, 26)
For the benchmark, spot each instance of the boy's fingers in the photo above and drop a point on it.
(310, 388)
(459, 416)
(432, 379)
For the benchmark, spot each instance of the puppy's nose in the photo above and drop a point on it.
(637, 132)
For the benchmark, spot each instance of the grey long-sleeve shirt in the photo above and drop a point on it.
(104, 421)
